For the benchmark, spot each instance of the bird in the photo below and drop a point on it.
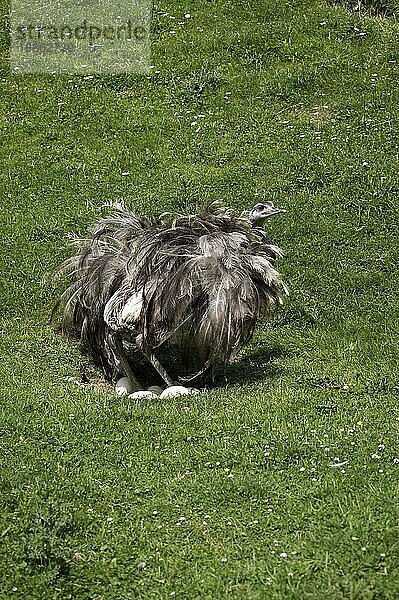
(195, 282)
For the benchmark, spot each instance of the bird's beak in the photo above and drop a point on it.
(276, 211)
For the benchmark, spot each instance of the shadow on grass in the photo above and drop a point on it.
(254, 367)
(257, 366)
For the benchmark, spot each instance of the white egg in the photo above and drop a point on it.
(156, 389)
(193, 391)
(174, 390)
(143, 394)
(123, 386)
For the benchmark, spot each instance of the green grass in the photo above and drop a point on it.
(378, 8)
(230, 494)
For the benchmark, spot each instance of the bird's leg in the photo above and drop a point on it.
(121, 355)
(153, 360)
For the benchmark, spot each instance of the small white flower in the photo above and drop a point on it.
(283, 555)
(187, 16)
(336, 465)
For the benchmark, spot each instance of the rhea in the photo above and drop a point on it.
(196, 282)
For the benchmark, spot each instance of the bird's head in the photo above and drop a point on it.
(262, 211)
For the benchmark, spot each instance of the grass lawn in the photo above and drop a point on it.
(230, 494)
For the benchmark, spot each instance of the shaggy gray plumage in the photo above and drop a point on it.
(196, 281)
